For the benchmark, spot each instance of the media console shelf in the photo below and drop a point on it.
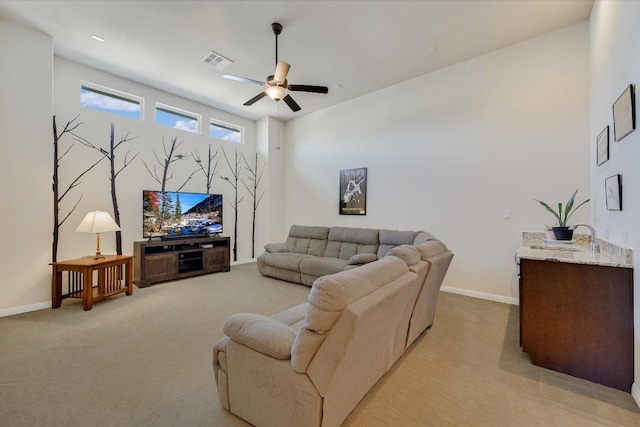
(159, 261)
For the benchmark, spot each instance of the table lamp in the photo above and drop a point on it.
(97, 222)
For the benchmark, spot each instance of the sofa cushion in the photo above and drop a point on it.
(345, 250)
(345, 242)
(409, 254)
(286, 261)
(309, 232)
(320, 266)
(303, 245)
(263, 334)
(363, 236)
(362, 259)
(393, 238)
(307, 240)
(397, 238)
(275, 248)
(423, 237)
(292, 315)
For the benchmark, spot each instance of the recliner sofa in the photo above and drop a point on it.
(311, 252)
(310, 365)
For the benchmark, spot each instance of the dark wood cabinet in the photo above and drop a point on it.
(578, 319)
(158, 267)
(159, 261)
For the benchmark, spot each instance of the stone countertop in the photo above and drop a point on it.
(535, 246)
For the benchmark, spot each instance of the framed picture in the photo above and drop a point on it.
(624, 114)
(353, 191)
(602, 144)
(613, 189)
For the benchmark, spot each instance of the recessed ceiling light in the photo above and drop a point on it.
(98, 38)
(431, 49)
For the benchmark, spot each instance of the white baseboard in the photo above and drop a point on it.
(635, 393)
(24, 309)
(481, 295)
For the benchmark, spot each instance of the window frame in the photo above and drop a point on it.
(166, 108)
(229, 126)
(112, 93)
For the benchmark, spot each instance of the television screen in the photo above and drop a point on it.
(172, 214)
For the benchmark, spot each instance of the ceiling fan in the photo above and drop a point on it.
(276, 84)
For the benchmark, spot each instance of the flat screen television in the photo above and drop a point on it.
(172, 214)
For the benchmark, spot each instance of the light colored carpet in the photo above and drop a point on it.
(145, 360)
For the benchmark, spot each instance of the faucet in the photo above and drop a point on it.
(595, 248)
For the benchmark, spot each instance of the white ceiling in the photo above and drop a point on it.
(353, 47)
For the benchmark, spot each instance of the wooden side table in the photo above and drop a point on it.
(111, 279)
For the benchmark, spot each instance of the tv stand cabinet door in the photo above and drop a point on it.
(216, 259)
(159, 267)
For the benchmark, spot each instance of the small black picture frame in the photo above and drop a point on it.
(353, 191)
(613, 192)
(624, 114)
(602, 146)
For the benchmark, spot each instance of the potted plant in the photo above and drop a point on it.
(562, 215)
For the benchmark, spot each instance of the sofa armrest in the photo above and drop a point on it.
(261, 333)
(275, 248)
(358, 259)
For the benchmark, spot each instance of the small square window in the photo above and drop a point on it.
(226, 132)
(111, 101)
(176, 118)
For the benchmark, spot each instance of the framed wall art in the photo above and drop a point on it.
(613, 189)
(624, 114)
(602, 146)
(353, 191)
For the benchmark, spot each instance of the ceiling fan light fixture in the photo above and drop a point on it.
(275, 92)
(276, 85)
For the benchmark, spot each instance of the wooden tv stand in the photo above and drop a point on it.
(172, 259)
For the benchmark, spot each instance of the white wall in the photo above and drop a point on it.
(447, 152)
(270, 133)
(26, 148)
(95, 186)
(615, 63)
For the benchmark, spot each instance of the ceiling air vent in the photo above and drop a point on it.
(217, 61)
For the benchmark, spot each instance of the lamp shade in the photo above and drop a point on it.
(97, 222)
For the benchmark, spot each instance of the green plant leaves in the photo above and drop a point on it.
(548, 208)
(563, 216)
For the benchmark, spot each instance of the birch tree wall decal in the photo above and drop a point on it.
(170, 156)
(235, 172)
(111, 156)
(211, 169)
(255, 177)
(69, 128)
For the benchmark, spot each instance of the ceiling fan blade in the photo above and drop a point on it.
(256, 98)
(282, 68)
(307, 88)
(291, 103)
(244, 79)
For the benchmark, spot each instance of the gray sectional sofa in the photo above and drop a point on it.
(310, 365)
(311, 252)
